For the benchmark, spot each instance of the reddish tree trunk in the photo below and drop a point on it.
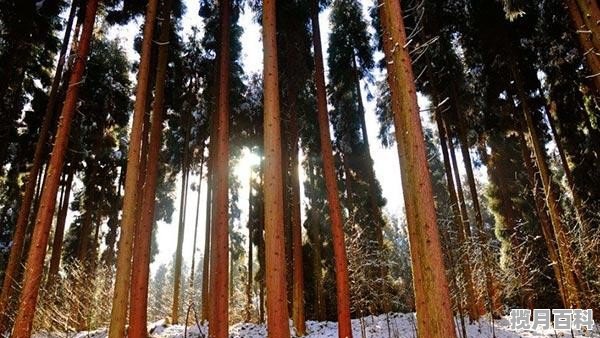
(434, 313)
(335, 211)
(219, 310)
(589, 50)
(275, 263)
(123, 274)
(143, 233)
(37, 253)
(57, 241)
(16, 250)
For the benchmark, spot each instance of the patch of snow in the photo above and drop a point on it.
(393, 325)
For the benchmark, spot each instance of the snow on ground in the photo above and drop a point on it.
(390, 326)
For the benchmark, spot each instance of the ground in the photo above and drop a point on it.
(383, 326)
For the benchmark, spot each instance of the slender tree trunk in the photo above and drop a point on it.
(181, 229)
(123, 274)
(143, 232)
(563, 240)
(459, 187)
(317, 268)
(57, 241)
(87, 221)
(207, 233)
(494, 306)
(277, 311)
(370, 173)
(16, 249)
(192, 270)
(454, 284)
(250, 249)
(590, 12)
(434, 312)
(37, 253)
(591, 52)
(335, 211)
(472, 300)
(545, 224)
(578, 204)
(296, 225)
(219, 309)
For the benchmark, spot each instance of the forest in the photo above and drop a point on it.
(154, 183)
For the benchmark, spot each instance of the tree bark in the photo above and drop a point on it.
(143, 232)
(123, 274)
(250, 250)
(590, 12)
(545, 224)
(590, 52)
(573, 292)
(181, 228)
(277, 311)
(219, 309)
(59, 232)
(207, 233)
(37, 253)
(434, 312)
(472, 300)
(16, 250)
(459, 190)
(296, 225)
(494, 306)
(578, 204)
(335, 211)
(193, 268)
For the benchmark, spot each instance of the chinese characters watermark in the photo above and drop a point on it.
(558, 319)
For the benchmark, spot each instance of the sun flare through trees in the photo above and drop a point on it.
(289, 168)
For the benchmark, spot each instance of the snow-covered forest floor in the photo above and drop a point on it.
(392, 326)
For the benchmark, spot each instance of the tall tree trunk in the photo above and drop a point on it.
(57, 241)
(459, 186)
(296, 225)
(181, 229)
(578, 204)
(16, 249)
(590, 12)
(370, 173)
(494, 304)
(454, 284)
(335, 211)
(143, 232)
(219, 267)
(277, 311)
(472, 300)
(589, 50)
(193, 268)
(123, 274)
(37, 253)
(573, 291)
(432, 299)
(545, 224)
(89, 213)
(207, 233)
(250, 249)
